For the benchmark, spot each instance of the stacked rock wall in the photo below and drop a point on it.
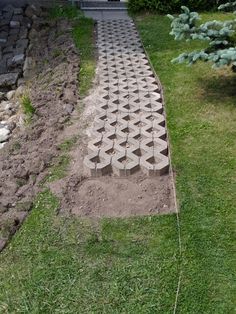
(15, 25)
(42, 3)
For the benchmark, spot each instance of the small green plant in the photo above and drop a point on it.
(83, 37)
(68, 144)
(27, 106)
(58, 170)
(221, 49)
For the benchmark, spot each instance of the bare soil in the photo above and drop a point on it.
(53, 91)
(117, 197)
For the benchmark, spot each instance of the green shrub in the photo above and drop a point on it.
(221, 49)
(171, 6)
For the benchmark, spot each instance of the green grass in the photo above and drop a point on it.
(67, 144)
(63, 265)
(83, 37)
(59, 169)
(201, 114)
(58, 264)
(83, 34)
(65, 11)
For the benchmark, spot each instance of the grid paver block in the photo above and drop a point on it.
(128, 132)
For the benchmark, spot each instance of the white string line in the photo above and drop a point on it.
(173, 182)
(175, 200)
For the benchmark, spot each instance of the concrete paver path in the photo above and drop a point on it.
(129, 131)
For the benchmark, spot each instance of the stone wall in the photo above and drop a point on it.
(20, 3)
(15, 25)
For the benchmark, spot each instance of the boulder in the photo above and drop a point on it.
(8, 79)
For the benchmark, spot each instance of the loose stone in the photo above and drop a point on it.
(10, 94)
(4, 134)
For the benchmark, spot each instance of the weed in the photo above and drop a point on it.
(68, 144)
(27, 106)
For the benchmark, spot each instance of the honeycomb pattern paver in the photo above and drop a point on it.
(128, 132)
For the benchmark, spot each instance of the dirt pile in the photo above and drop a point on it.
(52, 88)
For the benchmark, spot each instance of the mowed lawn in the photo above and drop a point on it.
(201, 114)
(69, 265)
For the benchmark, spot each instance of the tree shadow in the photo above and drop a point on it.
(219, 88)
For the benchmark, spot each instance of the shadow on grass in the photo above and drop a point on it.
(219, 88)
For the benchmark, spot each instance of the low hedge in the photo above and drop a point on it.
(172, 6)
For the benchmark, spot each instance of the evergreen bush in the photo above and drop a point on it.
(221, 36)
(171, 6)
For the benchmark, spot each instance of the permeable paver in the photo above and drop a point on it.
(129, 131)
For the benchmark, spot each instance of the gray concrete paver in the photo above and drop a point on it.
(128, 132)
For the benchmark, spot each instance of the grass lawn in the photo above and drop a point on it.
(201, 109)
(65, 265)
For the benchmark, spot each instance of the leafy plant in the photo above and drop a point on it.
(221, 49)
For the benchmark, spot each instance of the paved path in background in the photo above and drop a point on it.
(107, 14)
(129, 131)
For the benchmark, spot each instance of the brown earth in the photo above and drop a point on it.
(25, 161)
(53, 92)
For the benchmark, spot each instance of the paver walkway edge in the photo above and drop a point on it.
(129, 132)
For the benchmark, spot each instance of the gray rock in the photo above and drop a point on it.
(4, 22)
(7, 56)
(1, 146)
(8, 8)
(18, 60)
(28, 65)
(21, 82)
(22, 43)
(3, 35)
(4, 134)
(18, 11)
(17, 18)
(68, 108)
(3, 40)
(10, 94)
(8, 79)
(3, 66)
(12, 40)
(6, 105)
(8, 49)
(14, 24)
(14, 31)
(32, 10)
(23, 32)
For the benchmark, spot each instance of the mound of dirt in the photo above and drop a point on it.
(52, 87)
